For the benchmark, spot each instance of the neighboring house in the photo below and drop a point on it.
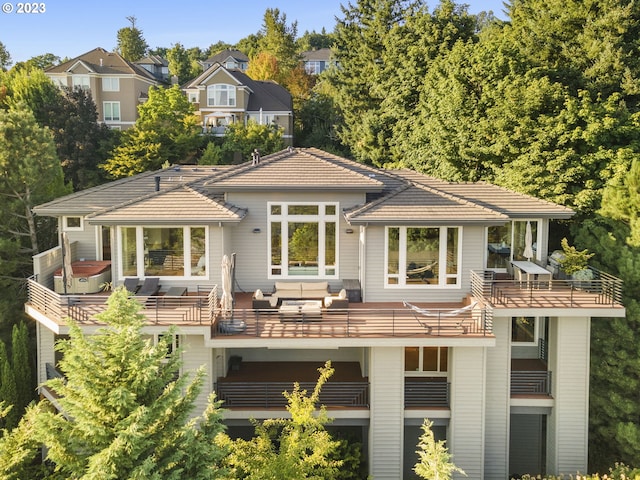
(117, 85)
(317, 61)
(224, 96)
(496, 357)
(229, 59)
(156, 66)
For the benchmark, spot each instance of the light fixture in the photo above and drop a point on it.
(256, 230)
(349, 230)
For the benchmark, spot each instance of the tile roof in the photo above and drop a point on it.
(180, 205)
(298, 169)
(125, 190)
(513, 204)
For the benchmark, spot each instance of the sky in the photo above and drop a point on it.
(68, 28)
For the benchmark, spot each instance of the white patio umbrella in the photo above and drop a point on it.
(67, 268)
(528, 242)
(226, 301)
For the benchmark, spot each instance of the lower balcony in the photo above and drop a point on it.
(530, 377)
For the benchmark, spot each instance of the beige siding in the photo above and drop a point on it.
(387, 410)
(251, 248)
(568, 423)
(497, 401)
(472, 254)
(85, 242)
(194, 356)
(46, 353)
(466, 431)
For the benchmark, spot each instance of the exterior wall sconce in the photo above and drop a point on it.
(349, 230)
(256, 230)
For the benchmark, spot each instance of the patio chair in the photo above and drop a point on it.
(150, 287)
(131, 284)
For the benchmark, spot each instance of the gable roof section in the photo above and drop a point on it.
(224, 55)
(96, 199)
(296, 169)
(101, 62)
(412, 204)
(180, 205)
(499, 199)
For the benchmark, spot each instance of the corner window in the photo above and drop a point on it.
(524, 330)
(221, 95)
(111, 84)
(163, 251)
(303, 240)
(111, 111)
(422, 256)
(426, 359)
(508, 242)
(72, 223)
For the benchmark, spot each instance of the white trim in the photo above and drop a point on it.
(67, 228)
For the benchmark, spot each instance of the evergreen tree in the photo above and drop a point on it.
(21, 363)
(298, 447)
(131, 44)
(243, 139)
(434, 460)
(8, 390)
(20, 449)
(125, 411)
(5, 57)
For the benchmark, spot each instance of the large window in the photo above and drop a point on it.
(423, 256)
(80, 81)
(111, 84)
(303, 239)
(524, 330)
(163, 251)
(508, 242)
(111, 111)
(221, 95)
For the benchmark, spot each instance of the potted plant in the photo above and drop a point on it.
(575, 262)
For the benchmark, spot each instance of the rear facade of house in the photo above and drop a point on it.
(433, 321)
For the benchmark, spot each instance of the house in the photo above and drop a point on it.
(317, 61)
(231, 58)
(156, 66)
(430, 298)
(117, 85)
(224, 96)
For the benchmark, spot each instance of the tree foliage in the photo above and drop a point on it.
(299, 447)
(241, 140)
(166, 131)
(125, 410)
(5, 57)
(131, 44)
(434, 461)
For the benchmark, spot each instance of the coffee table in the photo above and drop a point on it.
(300, 310)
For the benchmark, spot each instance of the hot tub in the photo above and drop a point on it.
(88, 277)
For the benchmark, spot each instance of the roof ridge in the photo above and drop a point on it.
(369, 205)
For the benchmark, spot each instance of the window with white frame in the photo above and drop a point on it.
(111, 84)
(426, 359)
(313, 67)
(163, 251)
(524, 330)
(422, 256)
(303, 240)
(72, 223)
(80, 81)
(221, 95)
(193, 97)
(111, 111)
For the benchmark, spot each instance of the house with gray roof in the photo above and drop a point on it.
(116, 85)
(224, 96)
(317, 61)
(230, 58)
(432, 299)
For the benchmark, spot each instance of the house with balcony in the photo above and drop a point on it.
(223, 96)
(430, 298)
(117, 86)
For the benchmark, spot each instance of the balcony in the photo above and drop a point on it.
(426, 392)
(604, 292)
(530, 378)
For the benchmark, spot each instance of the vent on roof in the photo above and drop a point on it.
(157, 179)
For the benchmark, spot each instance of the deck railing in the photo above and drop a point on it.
(531, 382)
(603, 289)
(269, 394)
(426, 393)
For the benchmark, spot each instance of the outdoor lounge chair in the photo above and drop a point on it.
(131, 284)
(150, 286)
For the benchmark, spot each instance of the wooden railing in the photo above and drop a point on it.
(531, 382)
(269, 394)
(426, 392)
